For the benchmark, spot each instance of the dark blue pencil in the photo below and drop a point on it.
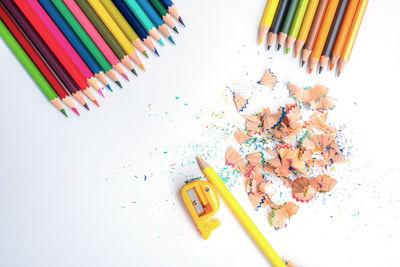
(172, 10)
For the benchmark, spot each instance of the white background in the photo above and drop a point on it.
(73, 191)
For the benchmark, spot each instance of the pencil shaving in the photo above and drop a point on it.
(240, 102)
(268, 79)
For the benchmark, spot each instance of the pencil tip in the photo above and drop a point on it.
(134, 72)
(145, 54)
(101, 92)
(175, 29)
(296, 54)
(125, 76)
(155, 51)
(260, 41)
(331, 66)
(287, 50)
(172, 40)
(86, 106)
(64, 112)
(310, 70)
(96, 102)
(338, 73)
(320, 69)
(202, 164)
(181, 21)
(142, 67)
(302, 63)
(109, 87)
(161, 42)
(279, 47)
(119, 83)
(76, 111)
(268, 47)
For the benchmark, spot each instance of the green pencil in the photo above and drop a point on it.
(163, 13)
(287, 22)
(296, 24)
(31, 68)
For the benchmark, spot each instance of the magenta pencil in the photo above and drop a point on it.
(76, 59)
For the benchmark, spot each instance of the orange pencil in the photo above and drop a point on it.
(344, 29)
(322, 34)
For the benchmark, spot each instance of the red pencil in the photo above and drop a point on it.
(36, 58)
(61, 55)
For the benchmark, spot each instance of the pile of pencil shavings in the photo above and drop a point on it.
(296, 148)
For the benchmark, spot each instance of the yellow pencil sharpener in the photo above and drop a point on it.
(202, 201)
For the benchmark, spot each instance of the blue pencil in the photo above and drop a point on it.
(172, 10)
(135, 24)
(74, 40)
(155, 18)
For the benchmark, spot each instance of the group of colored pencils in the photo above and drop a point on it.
(323, 30)
(67, 45)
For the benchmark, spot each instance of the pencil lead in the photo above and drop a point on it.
(161, 42)
(172, 40)
(86, 106)
(296, 54)
(260, 41)
(101, 92)
(310, 70)
(145, 54)
(268, 47)
(125, 76)
(175, 29)
(64, 112)
(134, 72)
(109, 87)
(338, 73)
(119, 83)
(302, 63)
(155, 51)
(181, 21)
(320, 69)
(76, 111)
(142, 67)
(287, 50)
(96, 102)
(279, 47)
(331, 66)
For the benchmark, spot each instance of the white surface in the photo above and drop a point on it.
(72, 191)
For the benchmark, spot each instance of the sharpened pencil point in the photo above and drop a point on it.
(64, 112)
(172, 40)
(119, 83)
(181, 21)
(331, 66)
(76, 111)
(302, 63)
(155, 51)
(268, 47)
(175, 29)
(101, 92)
(134, 72)
(86, 106)
(96, 102)
(310, 70)
(279, 47)
(145, 54)
(338, 73)
(320, 69)
(161, 42)
(125, 76)
(260, 41)
(109, 87)
(287, 50)
(142, 67)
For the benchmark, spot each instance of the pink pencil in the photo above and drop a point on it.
(76, 59)
(96, 37)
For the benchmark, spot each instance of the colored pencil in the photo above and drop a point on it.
(42, 28)
(330, 41)
(98, 39)
(163, 13)
(104, 32)
(352, 35)
(267, 18)
(115, 31)
(31, 68)
(36, 59)
(143, 19)
(135, 24)
(313, 33)
(305, 26)
(322, 34)
(296, 24)
(240, 214)
(89, 44)
(155, 18)
(74, 41)
(124, 25)
(344, 29)
(277, 22)
(76, 59)
(287, 22)
(44, 51)
(172, 10)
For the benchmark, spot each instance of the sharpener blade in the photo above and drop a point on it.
(198, 206)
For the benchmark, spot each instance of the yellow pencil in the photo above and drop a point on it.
(240, 214)
(115, 31)
(305, 26)
(267, 18)
(124, 25)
